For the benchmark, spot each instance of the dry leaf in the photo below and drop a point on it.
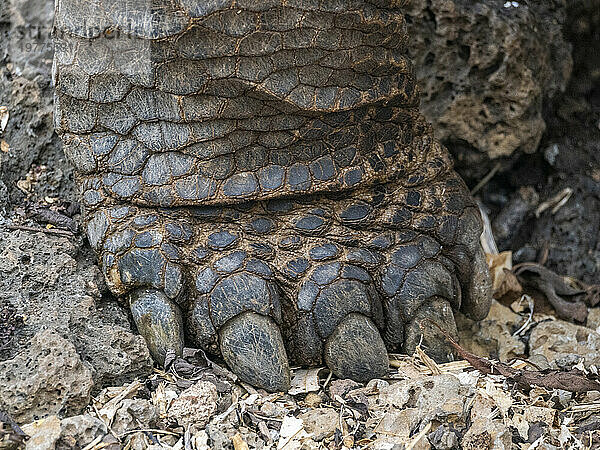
(291, 434)
(429, 363)
(520, 424)
(510, 288)
(305, 381)
(567, 440)
(501, 398)
(4, 147)
(264, 431)
(239, 443)
(564, 298)
(540, 414)
(24, 186)
(108, 411)
(504, 281)
(4, 115)
(162, 398)
(497, 263)
(200, 441)
(348, 441)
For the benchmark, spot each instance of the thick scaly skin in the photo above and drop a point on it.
(256, 176)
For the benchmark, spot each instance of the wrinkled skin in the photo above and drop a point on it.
(257, 179)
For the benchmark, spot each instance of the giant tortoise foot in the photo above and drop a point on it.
(336, 280)
(257, 176)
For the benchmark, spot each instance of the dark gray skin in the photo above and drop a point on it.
(257, 179)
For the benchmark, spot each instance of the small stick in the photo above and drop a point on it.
(430, 363)
(56, 231)
(93, 444)
(327, 380)
(485, 180)
(419, 436)
(556, 202)
(529, 320)
(55, 218)
(149, 430)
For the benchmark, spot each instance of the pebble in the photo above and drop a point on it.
(195, 405)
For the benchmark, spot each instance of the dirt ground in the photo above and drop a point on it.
(75, 374)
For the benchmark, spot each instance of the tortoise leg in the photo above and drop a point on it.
(159, 321)
(252, 346)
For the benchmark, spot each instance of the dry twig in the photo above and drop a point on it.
(564, 298)
(56, 231)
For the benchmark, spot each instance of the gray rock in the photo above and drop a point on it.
(485, 433)
(220, 435)
(3, 196)
(47, 378)
(195, 405)
(342, 388)
(583, 30)
(26, 90)
(593, 319)
(134, 414)
(443, 438)
(574, 155)
(321, 422)
(493, 336)
(78, 431)
(270, 409)
(138, 441)
(564, 344)
(407, 406)
(56, 287)
(42, 434)
(513, 215)
(114, 352)
(425, 399)
(484, 74)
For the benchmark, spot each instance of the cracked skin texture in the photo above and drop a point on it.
(257, 179)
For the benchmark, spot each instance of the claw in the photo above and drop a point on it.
(472, 269)
(356, 350)
(252, 346)
(478, 287)
(422, 331)
(158, 320)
